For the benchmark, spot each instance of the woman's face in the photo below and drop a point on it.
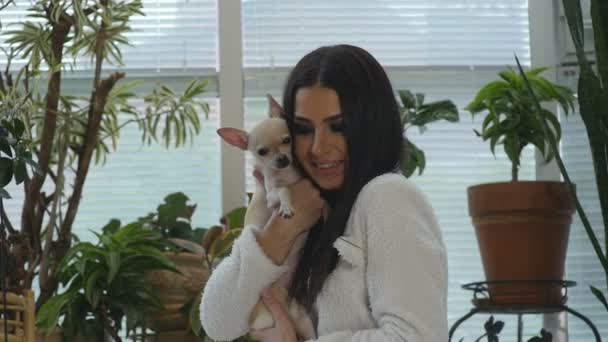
(320, 145)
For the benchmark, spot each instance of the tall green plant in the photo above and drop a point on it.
(511, 118)
(593, 107)
(69, 132)
(416, 113)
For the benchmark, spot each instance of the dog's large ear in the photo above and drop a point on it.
(274, 108)
(234, 137)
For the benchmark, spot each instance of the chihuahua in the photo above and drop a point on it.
(269, 142)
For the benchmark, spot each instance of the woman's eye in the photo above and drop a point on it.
(263, 151)
(301, 129)
(337, 127)
(287, 140)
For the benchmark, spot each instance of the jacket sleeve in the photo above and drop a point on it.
(406, 268)
(235, 287)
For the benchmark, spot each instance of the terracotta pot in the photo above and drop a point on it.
(522, 231)
(176, 290)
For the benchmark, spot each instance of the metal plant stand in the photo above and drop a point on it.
(484, 303)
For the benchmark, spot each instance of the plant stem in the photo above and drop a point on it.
(46, 258)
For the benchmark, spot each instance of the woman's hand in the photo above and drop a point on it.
(283, 330)
(307, 204)
(280, 234)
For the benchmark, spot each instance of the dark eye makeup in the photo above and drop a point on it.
(336, 125)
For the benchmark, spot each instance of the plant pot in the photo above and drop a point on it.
(176, 290)
(522, 231)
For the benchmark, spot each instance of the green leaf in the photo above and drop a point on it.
(408, 161)
(19, 128)
(435, 111)
(491, 90)
(49, 313)
(181, 230)
(90, 290)
(6, 171)
(407, 99)
(5, 147)
(20, 170)
(4, 194)
(234, 218)
(113, 260)
(223, 245)
(111, 227)
(600, 296)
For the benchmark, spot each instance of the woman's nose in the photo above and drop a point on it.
(320, 144)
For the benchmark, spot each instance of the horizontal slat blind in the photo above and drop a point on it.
(416, 32)
(172, 35)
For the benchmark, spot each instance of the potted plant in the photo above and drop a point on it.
(104, 283)
(522, 227)
(194, 252)
(68, 132)
(416, 113)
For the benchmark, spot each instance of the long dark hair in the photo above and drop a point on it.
(373, 133)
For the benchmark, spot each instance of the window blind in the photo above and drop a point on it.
(173, 43)
(171, 36)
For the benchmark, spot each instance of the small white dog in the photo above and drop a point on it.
(269, 142)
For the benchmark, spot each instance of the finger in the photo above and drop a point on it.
(273, 305)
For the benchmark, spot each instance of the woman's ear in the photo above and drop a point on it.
(274, 108)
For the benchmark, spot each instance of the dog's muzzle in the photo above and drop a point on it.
(282, 162)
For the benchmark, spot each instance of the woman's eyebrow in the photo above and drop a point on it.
(334, 117)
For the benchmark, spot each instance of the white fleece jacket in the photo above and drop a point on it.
(390, 283)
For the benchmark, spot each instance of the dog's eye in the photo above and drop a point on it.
(287, 140)
(263, 151)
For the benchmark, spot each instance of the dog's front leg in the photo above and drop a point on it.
(286, 209)
(258, 212)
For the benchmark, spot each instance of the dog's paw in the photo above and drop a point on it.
(286, 212)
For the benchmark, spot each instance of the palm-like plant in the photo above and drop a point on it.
(69, 132)
(512, 119)
(105, 282)
(416, 113)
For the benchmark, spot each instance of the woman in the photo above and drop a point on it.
(375, 268)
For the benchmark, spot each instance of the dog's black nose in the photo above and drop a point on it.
(282, 162)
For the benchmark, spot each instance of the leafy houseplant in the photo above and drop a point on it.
(511, 119)
(194, 252)
(69, 132)
(522, 227)
(414, 112)
(173, 221)
(105, 283)
(217, 243)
